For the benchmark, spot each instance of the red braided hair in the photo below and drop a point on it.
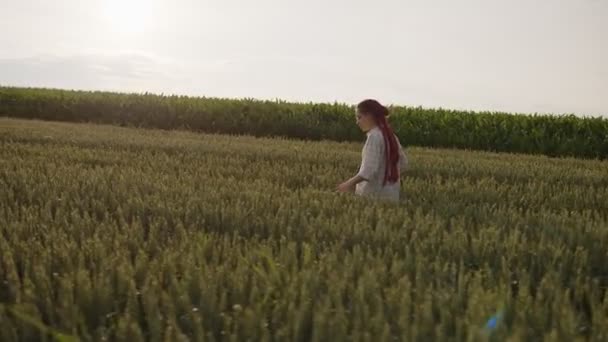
(391, 150)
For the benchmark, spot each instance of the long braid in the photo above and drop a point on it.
(391, 151)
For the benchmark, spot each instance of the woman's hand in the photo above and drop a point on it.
(347, 186)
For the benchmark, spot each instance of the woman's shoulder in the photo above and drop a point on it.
(375, 134)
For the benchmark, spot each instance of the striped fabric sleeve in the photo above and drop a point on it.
(403, 162)
(372, 156)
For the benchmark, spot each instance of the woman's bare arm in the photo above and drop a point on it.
(349, 185)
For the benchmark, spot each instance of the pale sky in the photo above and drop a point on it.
(546, 56)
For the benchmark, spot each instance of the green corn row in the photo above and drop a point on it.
(565, 135)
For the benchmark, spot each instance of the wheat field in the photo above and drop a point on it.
(125, 234)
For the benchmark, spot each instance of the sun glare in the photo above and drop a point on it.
(128, 16)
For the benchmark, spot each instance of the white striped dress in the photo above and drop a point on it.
(372, 169)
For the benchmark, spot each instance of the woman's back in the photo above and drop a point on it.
(373, 167)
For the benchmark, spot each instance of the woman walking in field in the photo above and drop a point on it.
(383, 158)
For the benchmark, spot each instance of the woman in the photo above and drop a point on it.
(383, 158)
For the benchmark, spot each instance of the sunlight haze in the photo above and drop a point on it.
(547, 56)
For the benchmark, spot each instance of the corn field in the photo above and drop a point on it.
(565, 135)
(124, 234)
